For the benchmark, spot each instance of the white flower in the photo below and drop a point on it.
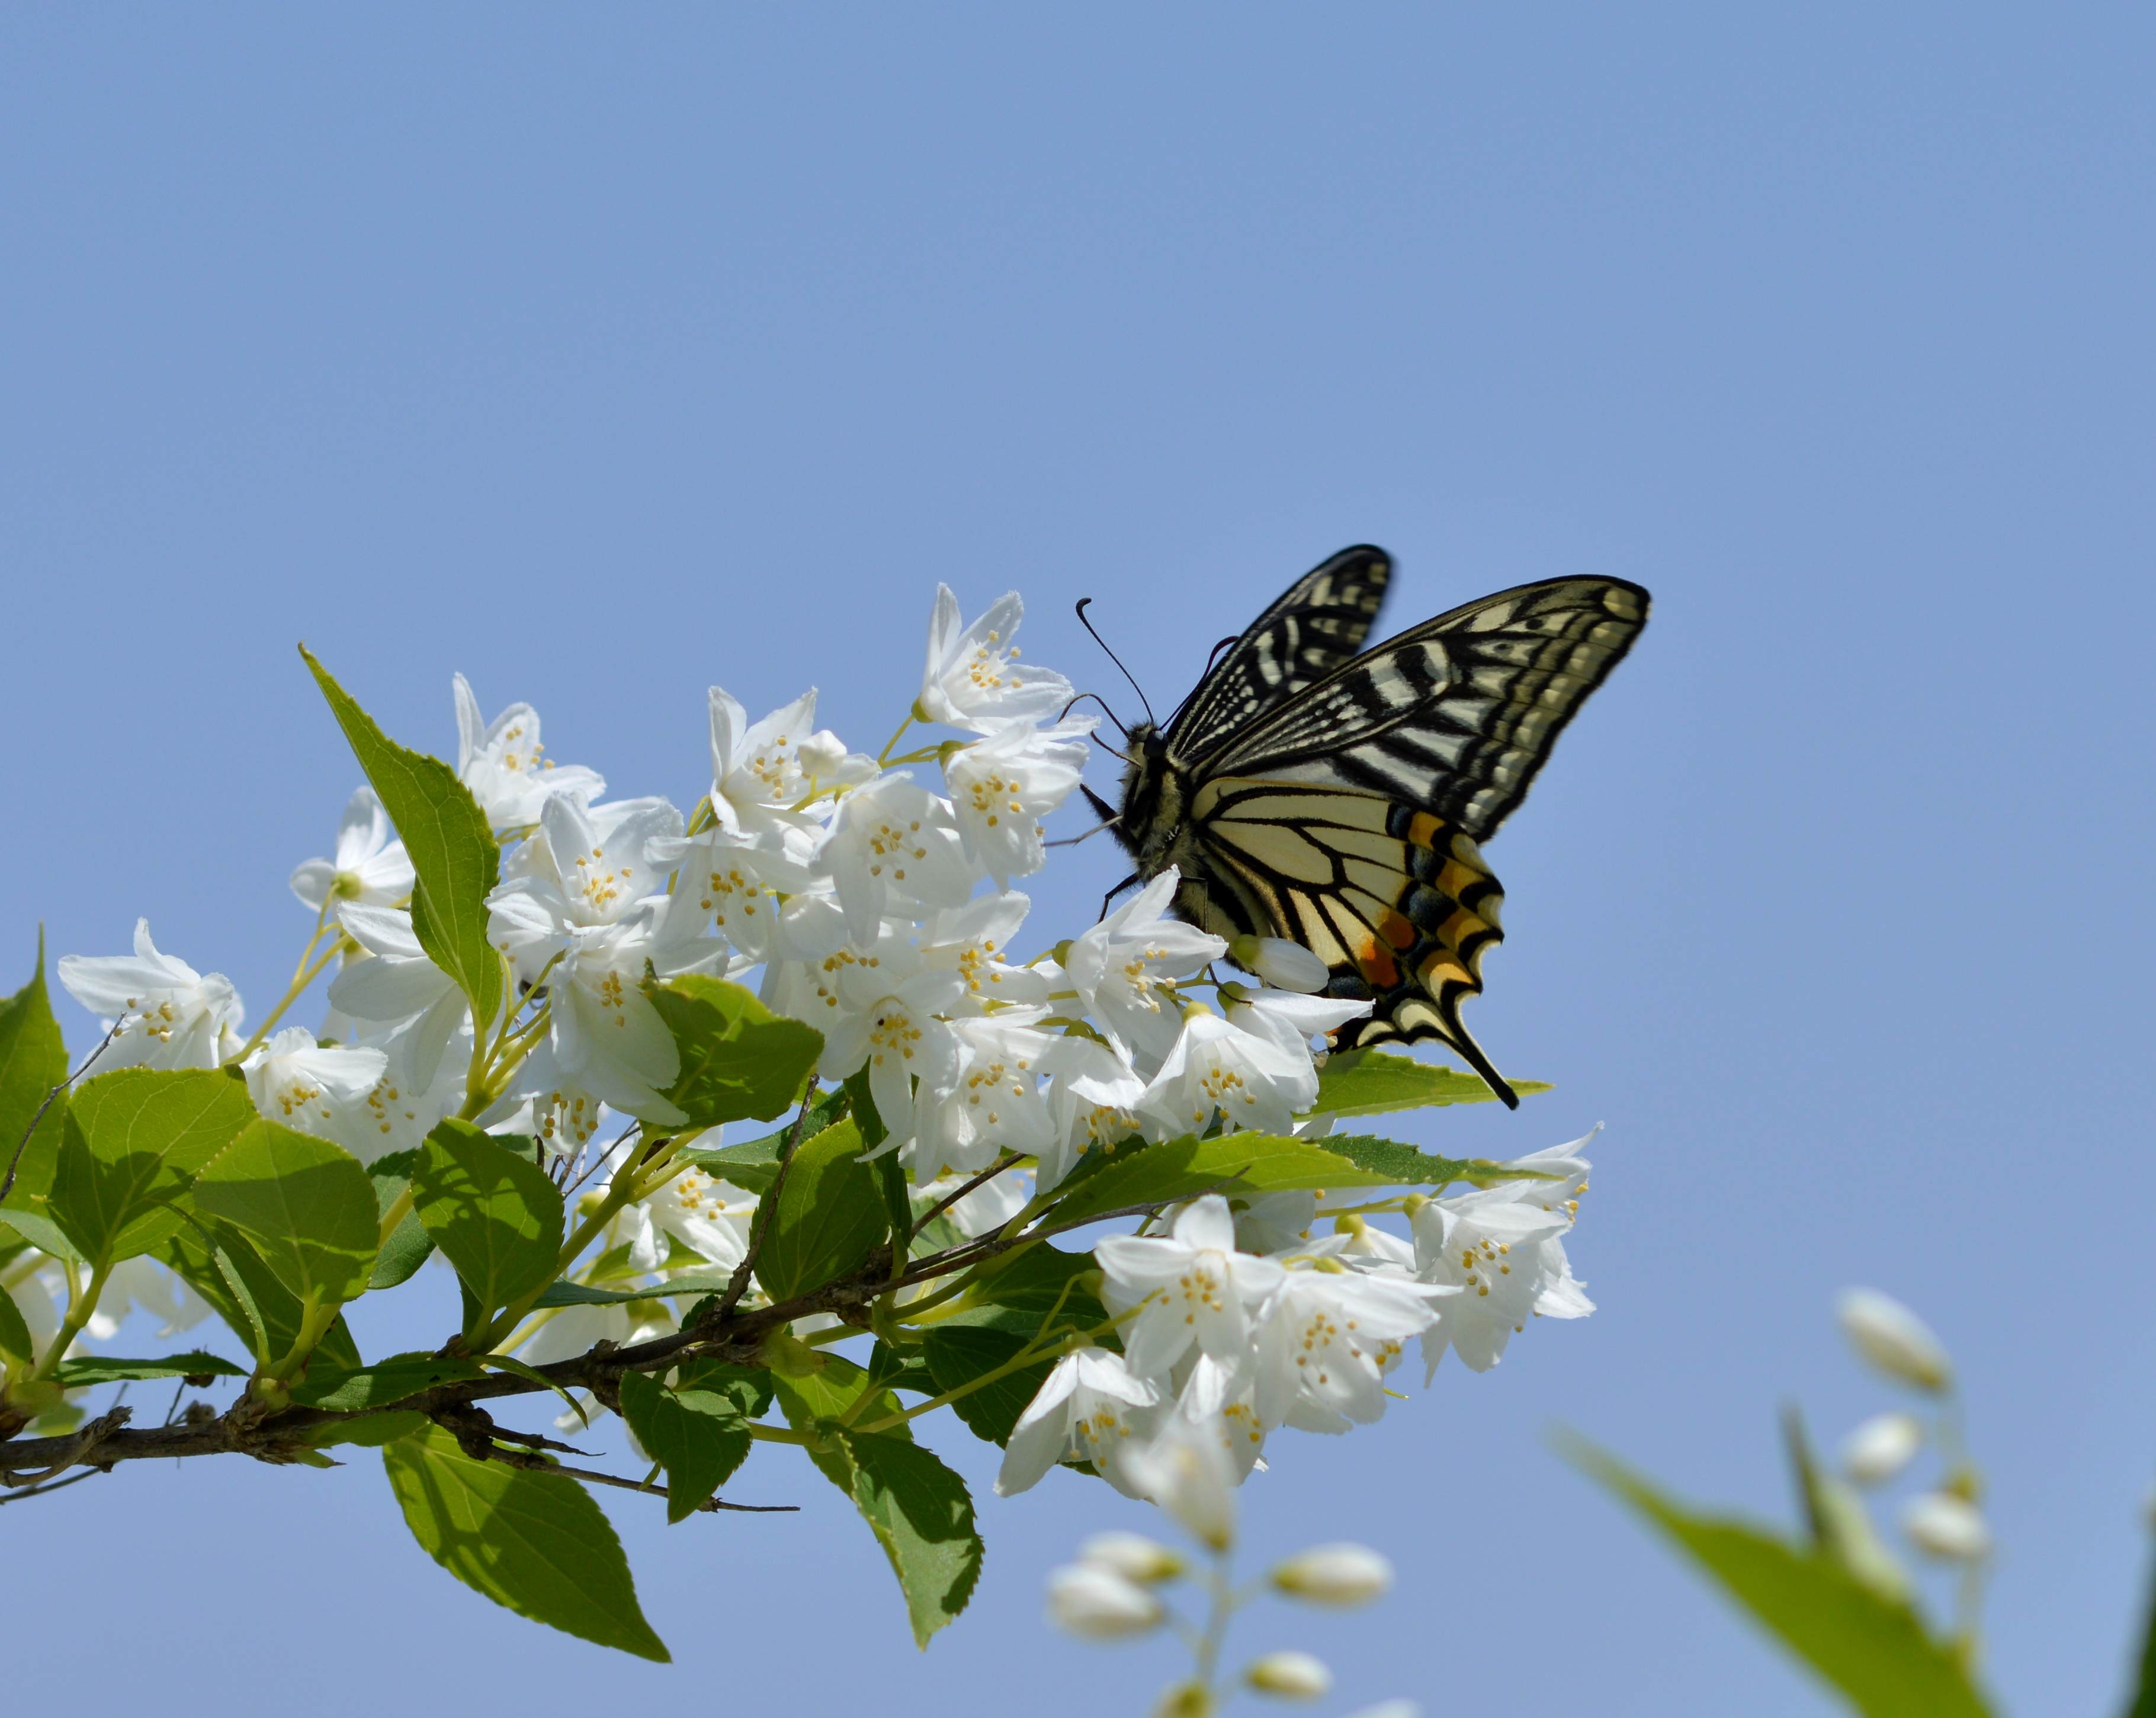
(1253, 1082)
(1093, 1098)
(1341, 1575)
(1504, 1255)
(988, 1207)
(1097, 1603)
(880, 1010)
(1880, 1447)
(572, 1330)
(1090, 1408)
(1894, 1340)
(1122, 966)
(169, 1015)
(894, 841)
(995, 1102)
(973, 678)
(316, 1089)
(1273, 1222)
(761, 892)
(1001, 787)
(1218, 1402)
(1295, 1676)
(1943, 1525)
(1187, 1473)
(607, 1036)
(1285, 965)
(760, 770)
(1131, 1556)
(586, 866)
(709, 1216)
(1192, 1285)
(503, 763)
(370, 865)
(1288, 1020)
(397, 988)
(974, 941)
(1328, 1338)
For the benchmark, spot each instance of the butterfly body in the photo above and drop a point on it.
(1337, 797)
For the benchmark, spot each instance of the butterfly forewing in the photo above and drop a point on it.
(1456, 716)
(1317, 624)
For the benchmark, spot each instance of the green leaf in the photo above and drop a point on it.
(383, 1384)
(135, 1139)
(1841, 1529)
(15, 1344)
(698, 1437)
(1019, 1291)
(1232, 1163)
(221, 1264)
(752, 1166)
(33, 1061)
(566, 1293)
(496, 1217)
(370, 1431)
(958, 1354)
(739, 1060)
(107, 1368)
(409, 1245)
(1875, 1650)
(454, 855)
(1373, 1082)
(532, 1542)
(1403, 1166)
(2142, 1704)
(923, 1517)
(304, 1202)
(748, 1388)
(828, 1219)
(813, 1399)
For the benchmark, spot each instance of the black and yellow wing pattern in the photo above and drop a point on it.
(1340, 799)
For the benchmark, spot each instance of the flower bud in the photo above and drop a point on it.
(1185, 1473)
(1185, 1699)
(821, 753)
(1334, 1574)
(1095, 1604)
(1131, 1556)
(1894, 1340)
(1880, 1447)
(1295, 1676)
(1284, 965)
(1943, 1525)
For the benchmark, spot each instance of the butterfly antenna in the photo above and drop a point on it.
(1104, 711)
(1118, 662)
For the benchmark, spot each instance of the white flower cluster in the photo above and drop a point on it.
(881, 910)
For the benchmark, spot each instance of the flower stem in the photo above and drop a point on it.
(306, 975)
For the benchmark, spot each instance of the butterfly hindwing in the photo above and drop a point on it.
(1316, 624)
(1399, 905)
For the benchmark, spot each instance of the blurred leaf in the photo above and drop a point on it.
(496, 1217)
(1840, 1526)
(455, 859)
(107, 1368)
(409, 1245)
(739, 1061)
(1232, 1163)
(33, 1061)
(534, 1543)
(1373, 1082)
(383, 1383)
(15, 1344)
(135, 1139)
(828, 1218)
(699, 1438)
(957, 1354)
(1874, 1650)
(2143, 1703)
(306, 1203)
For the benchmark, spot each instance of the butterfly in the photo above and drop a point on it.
(1336, 797)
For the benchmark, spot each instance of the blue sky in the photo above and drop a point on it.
(604, 356)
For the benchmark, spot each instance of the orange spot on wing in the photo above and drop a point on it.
(1423, 828)
(1399, 931)
(1378, 965)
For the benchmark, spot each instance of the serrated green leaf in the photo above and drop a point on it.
(814, 1398)
(753, 1163)
(409, 1245)
(380, 1385)
(32, 1062)
(496, 1217)
(305, 1203)
(957, 1354)
(1405, 1167)
(1875, 1650)
(900, 1369)
(748, 1388)
(369, 1431)
(1373, 1082)
(698, 1437)
(221, 1264)
(829, 1215)
(534, 1543)
(923, 1517)
(1019, 1292)
(87, 1369)
(584, 1294)
(135, 1139)
(1232, 1163)
(455, 861)
(739, 1061)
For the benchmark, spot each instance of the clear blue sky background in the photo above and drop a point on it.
(606, 354)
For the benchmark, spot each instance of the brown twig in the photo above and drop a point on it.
(971, 1184)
